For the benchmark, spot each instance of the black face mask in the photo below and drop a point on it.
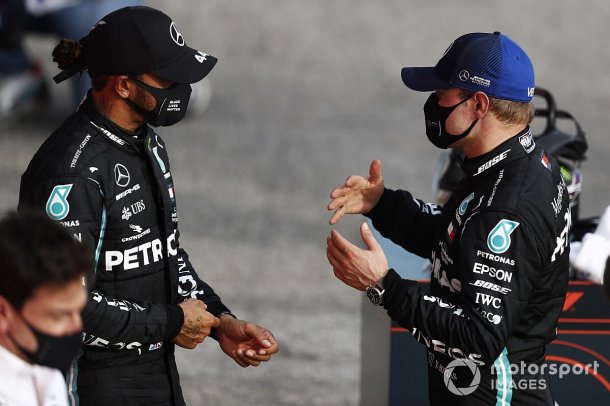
(436, 118)
(53, 351)
(171, 103)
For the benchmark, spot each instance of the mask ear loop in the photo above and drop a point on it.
(455, 106)
(467, 132)
(28, 354)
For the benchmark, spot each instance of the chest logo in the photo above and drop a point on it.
(57, 204)
(527, 142)
(498, 239)
(121, 175)
(464, 204)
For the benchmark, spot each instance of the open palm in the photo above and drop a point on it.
(247, 343)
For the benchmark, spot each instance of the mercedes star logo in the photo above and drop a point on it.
(176, 36)
(464, 75)
(121, 175)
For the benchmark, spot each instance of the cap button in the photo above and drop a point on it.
(497, 33)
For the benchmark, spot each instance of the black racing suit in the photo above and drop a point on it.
(114, 190)
(499, 254)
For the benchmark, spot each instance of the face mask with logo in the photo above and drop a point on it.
(53, 351)
(171, 103)
(436, 118)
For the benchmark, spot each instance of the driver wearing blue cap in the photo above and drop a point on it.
(498, 247)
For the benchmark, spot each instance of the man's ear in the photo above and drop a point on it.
(122, 87)
(6, 314)
(481, 107)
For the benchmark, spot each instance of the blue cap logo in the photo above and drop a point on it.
(57, 204)
(498, 239)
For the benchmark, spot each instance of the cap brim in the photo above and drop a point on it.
(191, 67)
(423, 79)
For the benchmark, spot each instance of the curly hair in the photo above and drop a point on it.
(69, 52)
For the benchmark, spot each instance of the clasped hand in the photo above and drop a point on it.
(198, 324)
(247, 343)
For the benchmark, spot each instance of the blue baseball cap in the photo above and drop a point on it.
(478, 62)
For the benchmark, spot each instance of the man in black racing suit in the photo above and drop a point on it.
(105, 176)
(498, 247)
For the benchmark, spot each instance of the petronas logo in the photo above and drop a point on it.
(464, 204)
(57, 205)
(498, 240)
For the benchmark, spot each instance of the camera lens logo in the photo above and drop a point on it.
(474, 384)
(121, 175)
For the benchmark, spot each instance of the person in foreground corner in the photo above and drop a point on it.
(41, 299)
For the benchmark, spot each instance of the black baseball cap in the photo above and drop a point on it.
(136, 40)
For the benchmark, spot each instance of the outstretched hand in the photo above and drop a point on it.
(354, 266)
(357, 195)
(247, 343)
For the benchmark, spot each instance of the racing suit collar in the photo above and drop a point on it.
(519, 145)
(133, 139)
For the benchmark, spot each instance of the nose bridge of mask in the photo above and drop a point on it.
(156, 93)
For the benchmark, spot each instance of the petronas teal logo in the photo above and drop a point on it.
(498, 239)
(57, 205)
(464, 204)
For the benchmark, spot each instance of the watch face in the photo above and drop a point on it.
(374, 295)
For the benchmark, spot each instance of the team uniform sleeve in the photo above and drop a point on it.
(110, 322)
(191, 286)
(406, 221)
(78, 204)
(493, 293)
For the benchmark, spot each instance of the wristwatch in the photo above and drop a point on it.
(375, 294)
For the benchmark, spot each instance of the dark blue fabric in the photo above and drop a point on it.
(479, 62)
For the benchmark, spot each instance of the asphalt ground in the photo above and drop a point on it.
(305, 94)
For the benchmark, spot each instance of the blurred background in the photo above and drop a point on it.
(306, 93)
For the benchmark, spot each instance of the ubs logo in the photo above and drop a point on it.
(121, 175)
(175, 34)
